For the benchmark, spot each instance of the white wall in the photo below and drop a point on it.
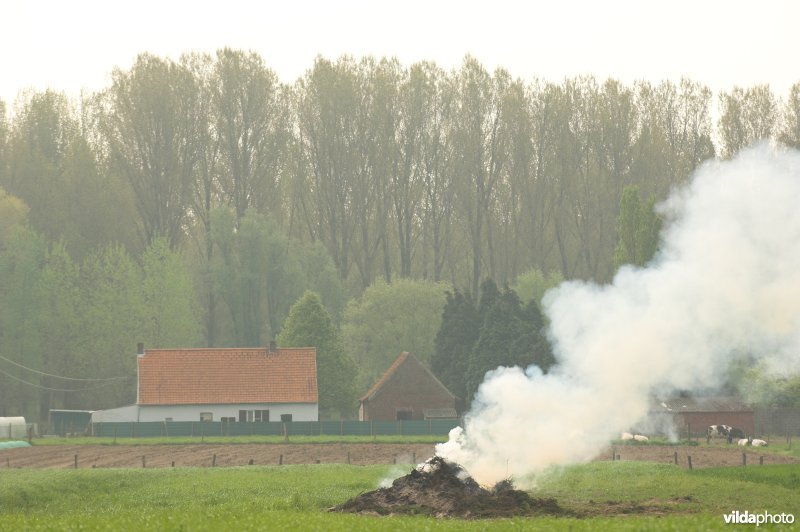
(299, 412)
(121, 414)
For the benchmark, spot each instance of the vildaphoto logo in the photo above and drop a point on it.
(750, 518)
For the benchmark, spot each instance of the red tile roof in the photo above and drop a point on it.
(226, 376)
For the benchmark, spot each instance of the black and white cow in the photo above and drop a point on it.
(735, 434)
(724, 431)
(718, 431)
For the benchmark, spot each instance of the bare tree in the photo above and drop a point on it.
(148, 127)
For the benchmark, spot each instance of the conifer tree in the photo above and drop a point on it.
(510, 335)
(454, 342)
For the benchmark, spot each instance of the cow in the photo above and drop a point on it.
(743, 442)
(757, 443)
(626, 436)
(717, 431)
(639, 437)
(735, 433)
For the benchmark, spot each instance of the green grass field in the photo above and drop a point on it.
(603, 496)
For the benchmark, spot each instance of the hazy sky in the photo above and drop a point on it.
(70, 45)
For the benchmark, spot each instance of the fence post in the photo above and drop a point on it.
(676, 457)
(744, 459)
(76, 461)
(690, 461)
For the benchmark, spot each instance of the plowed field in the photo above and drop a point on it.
(208, 455)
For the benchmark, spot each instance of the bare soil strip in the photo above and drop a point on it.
(227, 455)
(203, 455)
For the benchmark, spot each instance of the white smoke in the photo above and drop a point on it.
(725, 286)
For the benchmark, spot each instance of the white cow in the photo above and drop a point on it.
(639, 437)
(625, 436)
(758, 443)
(743, 442)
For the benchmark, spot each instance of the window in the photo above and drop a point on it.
(227, 419)
(168, 419)
(248, 416)
(403, 414)
(206, 416)
(286, 418)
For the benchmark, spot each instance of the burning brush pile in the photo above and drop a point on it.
(443, 489)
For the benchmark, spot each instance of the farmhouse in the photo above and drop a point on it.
(696, 414)
(248, 384)
(408, 390)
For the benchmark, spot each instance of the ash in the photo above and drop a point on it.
(444, 489)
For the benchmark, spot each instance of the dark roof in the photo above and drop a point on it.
(702, 404)
(405, 357)
(227, 376)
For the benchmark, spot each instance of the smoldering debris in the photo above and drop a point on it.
(443, 489)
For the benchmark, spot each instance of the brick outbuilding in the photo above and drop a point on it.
(695, 414)
(408, 390)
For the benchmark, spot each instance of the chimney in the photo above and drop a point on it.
(140, 349)
(273, 346)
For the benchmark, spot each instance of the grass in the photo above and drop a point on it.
(604, 496)
(195, 440)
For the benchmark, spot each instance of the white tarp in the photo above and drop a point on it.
(13, 427)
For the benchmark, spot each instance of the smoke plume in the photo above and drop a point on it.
(724, 287)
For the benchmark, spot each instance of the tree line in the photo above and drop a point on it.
(192, 202)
